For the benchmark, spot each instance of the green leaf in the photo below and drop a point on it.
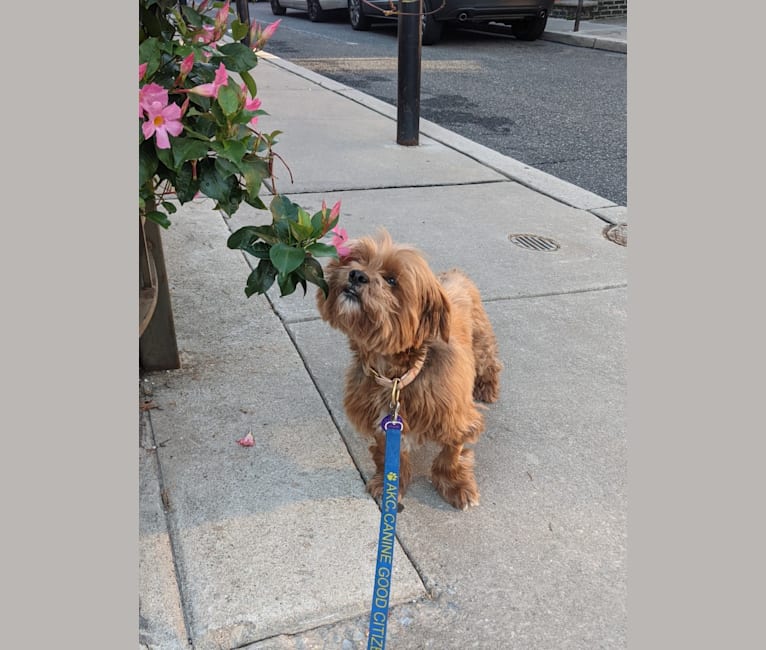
(287, 283)
(256, 202)
(149, 53)
(300, 231)
(286, 258)
(230, 203)
(250, 83)
(261, 278)
(258, 249)
(241, 237)
(169, 207)
(185, 184)
(317, 225)
(158, 217)
(150, 22)
(147, 163)
(188, 149)
(282, 207)
(312, 271)
(232, 150)
(226, 167)
(248, 235)
(236, 57)
(322, 250)
(239, 30)
(304, 218)
(214, 185)
(165, 156)
(218, 114)
(253, 171)
(191, 16)
(228, 98)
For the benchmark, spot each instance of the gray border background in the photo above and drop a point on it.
(695, 328)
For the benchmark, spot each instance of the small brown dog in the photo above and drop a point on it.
(432, 333)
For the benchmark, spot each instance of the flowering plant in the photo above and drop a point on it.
(198, 135)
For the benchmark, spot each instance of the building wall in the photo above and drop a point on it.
(608, 8)
(590, 9)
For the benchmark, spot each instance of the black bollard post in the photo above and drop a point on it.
(577, 16)
(243, 12)
(408, 86)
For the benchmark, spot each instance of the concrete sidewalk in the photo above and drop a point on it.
(273, 546)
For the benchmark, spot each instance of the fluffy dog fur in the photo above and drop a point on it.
(384, 297)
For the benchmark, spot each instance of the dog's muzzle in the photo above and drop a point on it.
(356, 279)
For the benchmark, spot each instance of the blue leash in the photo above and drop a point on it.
(389, 505)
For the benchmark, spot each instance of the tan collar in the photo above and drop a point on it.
(406, 379)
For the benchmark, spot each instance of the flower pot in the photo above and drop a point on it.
(147, 281)
(158, 349)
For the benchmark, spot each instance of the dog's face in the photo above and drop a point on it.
(384, 297)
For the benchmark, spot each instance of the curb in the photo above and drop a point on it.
(581, 40)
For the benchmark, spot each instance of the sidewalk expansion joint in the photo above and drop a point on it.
(551, 294)
(301, 319)
(368, 188)
(172, 532)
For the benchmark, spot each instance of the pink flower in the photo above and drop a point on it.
(251, 105)
(247, 441)
(326, 221)
(161, 121)
(221, 16)
(207, 35)
(269, 30)
(151, 94)
(258, 36)
(211, 90)
(213, 33)
(340, 237)
(186, 66)
(335, 212)
(142, 70)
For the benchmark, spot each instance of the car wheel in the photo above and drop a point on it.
(431, 28)
(530, 29)
(316, 13)
(356, 16)
(277, 9)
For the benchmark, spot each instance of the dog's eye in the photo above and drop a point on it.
(391, 281)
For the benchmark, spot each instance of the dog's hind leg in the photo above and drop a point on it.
(486, 386)
(453, 478)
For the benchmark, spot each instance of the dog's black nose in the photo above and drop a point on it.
(358, 277)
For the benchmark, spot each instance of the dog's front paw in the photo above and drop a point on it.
(453, 478)
(460, 496)
(375, 486)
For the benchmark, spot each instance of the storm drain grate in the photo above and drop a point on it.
(534, 242)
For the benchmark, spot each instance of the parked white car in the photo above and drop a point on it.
(316, 9)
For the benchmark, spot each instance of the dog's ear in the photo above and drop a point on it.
(435, 318)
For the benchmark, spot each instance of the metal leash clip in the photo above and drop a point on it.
(394, 405)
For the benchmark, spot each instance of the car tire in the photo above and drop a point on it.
(530, 29)
(276, 8)
(356, 16)
(315, 11)
(432, 28)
